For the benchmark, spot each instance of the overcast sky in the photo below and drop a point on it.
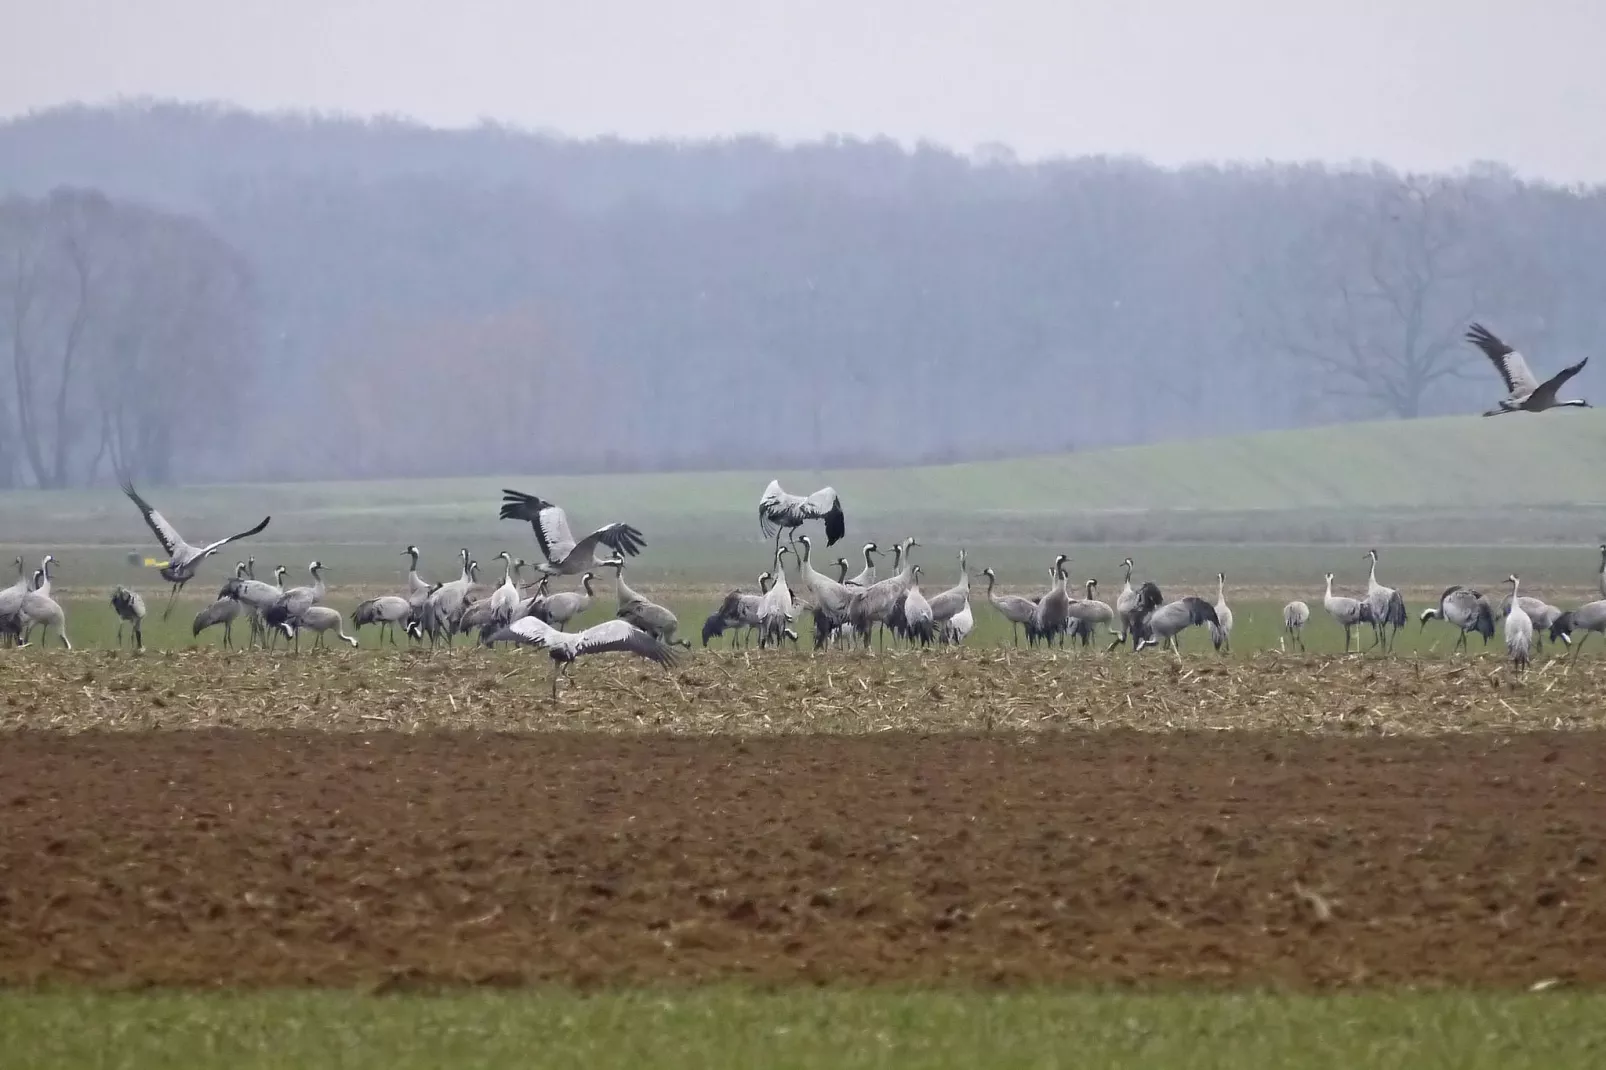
(1416, 83)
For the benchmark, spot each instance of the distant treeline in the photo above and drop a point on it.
(306, 297)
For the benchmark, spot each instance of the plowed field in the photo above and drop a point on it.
(218, 857)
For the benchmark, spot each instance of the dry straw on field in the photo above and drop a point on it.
(740, 693)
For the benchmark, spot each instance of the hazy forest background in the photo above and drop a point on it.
(202, 294)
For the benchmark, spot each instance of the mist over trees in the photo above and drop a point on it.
(232, 296)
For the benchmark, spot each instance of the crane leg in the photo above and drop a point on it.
(171, 599)
(228, 641)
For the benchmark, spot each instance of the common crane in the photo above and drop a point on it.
(1089, 612)
(258, 597)
(130, 610)
(828, 597)
(649, 616)
(39, 608)
(1163, 625)
(875, 603)
(775, 612)
(11, 602)
(387, 611)
(1589, 617)
(1519, 629)
(919, 622)
(1053, 609)
(418, 588)
(559, 609)
(1387, 608)
(1012, 607)
(564, 556)
(294, 603)
(445, 602)
(1296, 615)
(738, 610)
(1542, 613)
(1221, 631)
(779, 511)
(1526, 393)
(868, 576)
(1467, 610)
(224, 610)
(1348, 612)
(1602, 569)
(566, 648)
(182, 559)
(944, 604)
(317, 619)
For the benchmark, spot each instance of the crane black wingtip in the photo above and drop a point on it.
(836, 524)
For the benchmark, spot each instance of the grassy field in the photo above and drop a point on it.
(1450, 481)
(707, 1028)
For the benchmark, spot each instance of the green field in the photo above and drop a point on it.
(827, 1029)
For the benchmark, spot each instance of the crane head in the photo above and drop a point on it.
(872, 548)
(1371, 555)
(1328, 577)
(988, 571)
(411, 551)
(1221, 577)
(315, 568)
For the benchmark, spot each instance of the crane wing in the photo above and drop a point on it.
(210, 547)
(550, 522)
(1511, 365)
(165, 533)
(621, 635)
(531, 631)
(1555, 382)
(772, 506)
(621, 538)
(827, 506)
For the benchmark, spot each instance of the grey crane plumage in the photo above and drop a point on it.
(183, 559)
(867, 576)
(1467, 610)
(1540, 612)
(1525, 393)
(1519, 629)
(775, 610)
(1348, 612)
(560, 608)
(944, 604)
(875, 603)
(1221, 631)
(222, 611)
(829, 598)
(293, 604)
(1387, 608)
(566, 648)
(1012, 607)
(1164, 624)
(317, 619)
(564, 555)
(1602, 577)
(257, 597)
(1089, 611)
(1589, 617)
(11, 602)
(1296, 615)
(130, 610)
(779, 511)
(39, 608)
(1054, 608)
(645, 614)
(738, 610)
(387, 611)
(918, 621)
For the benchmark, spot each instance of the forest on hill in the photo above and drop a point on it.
(193, 292)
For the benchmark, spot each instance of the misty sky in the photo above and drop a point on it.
(1418, 83)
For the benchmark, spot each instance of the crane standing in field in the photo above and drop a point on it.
(1221, 631)
(779, 511)
(1526, 393)
(1589, 617)
(130, 610)
(1348, 612)
(1387, 608)
(1464, 608)
(1012, 607)
(182, 559)
(1519, 630)
(1296, 615)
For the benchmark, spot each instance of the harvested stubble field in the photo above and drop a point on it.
(760, 693)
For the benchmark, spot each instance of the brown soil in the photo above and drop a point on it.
(218, 857)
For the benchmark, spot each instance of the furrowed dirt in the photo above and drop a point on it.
(217, 857)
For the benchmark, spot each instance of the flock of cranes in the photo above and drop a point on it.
(860, 610)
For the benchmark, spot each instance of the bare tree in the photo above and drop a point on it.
(1376, 297)
(122, 328)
